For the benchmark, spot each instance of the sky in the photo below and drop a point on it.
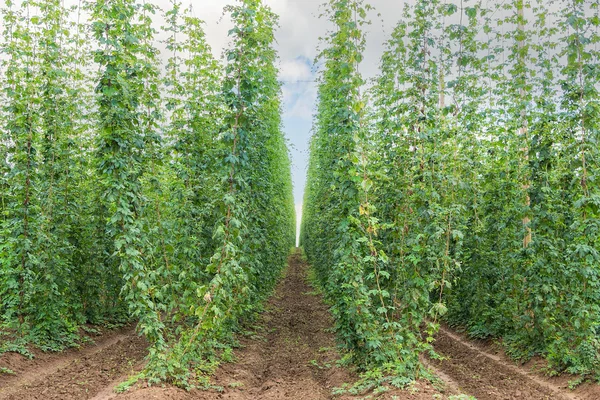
(297, 43)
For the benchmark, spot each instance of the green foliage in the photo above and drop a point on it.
(40, 121)
(252, 207)
(6, 371)
(123, 148)
(140, 192)
(460, 186)
(341, 229)
(528, 273)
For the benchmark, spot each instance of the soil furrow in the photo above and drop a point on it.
(487, 376)
(79, 376)
(109, 391)
(292, 355)
(44, 364)
(558, 391)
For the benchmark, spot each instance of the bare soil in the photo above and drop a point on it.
(484, 371)
(72, 375)
(292, 356)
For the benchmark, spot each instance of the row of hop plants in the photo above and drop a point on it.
(461, 184)
(139, 186)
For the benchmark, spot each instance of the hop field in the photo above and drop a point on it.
(146, 185)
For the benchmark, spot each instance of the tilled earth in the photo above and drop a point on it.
(293, 356)
(74, 374)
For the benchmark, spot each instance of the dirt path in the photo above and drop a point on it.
(484, 371)
(74, 374)
(292, 356)
(294, 359)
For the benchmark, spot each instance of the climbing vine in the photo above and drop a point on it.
(134, 191)
(462, 179)
(458, 186)
(341, 227)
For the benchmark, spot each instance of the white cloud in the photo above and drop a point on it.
(300, 100)
(297, 69)
(299, 88)
(297, 43)
(298, 222)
